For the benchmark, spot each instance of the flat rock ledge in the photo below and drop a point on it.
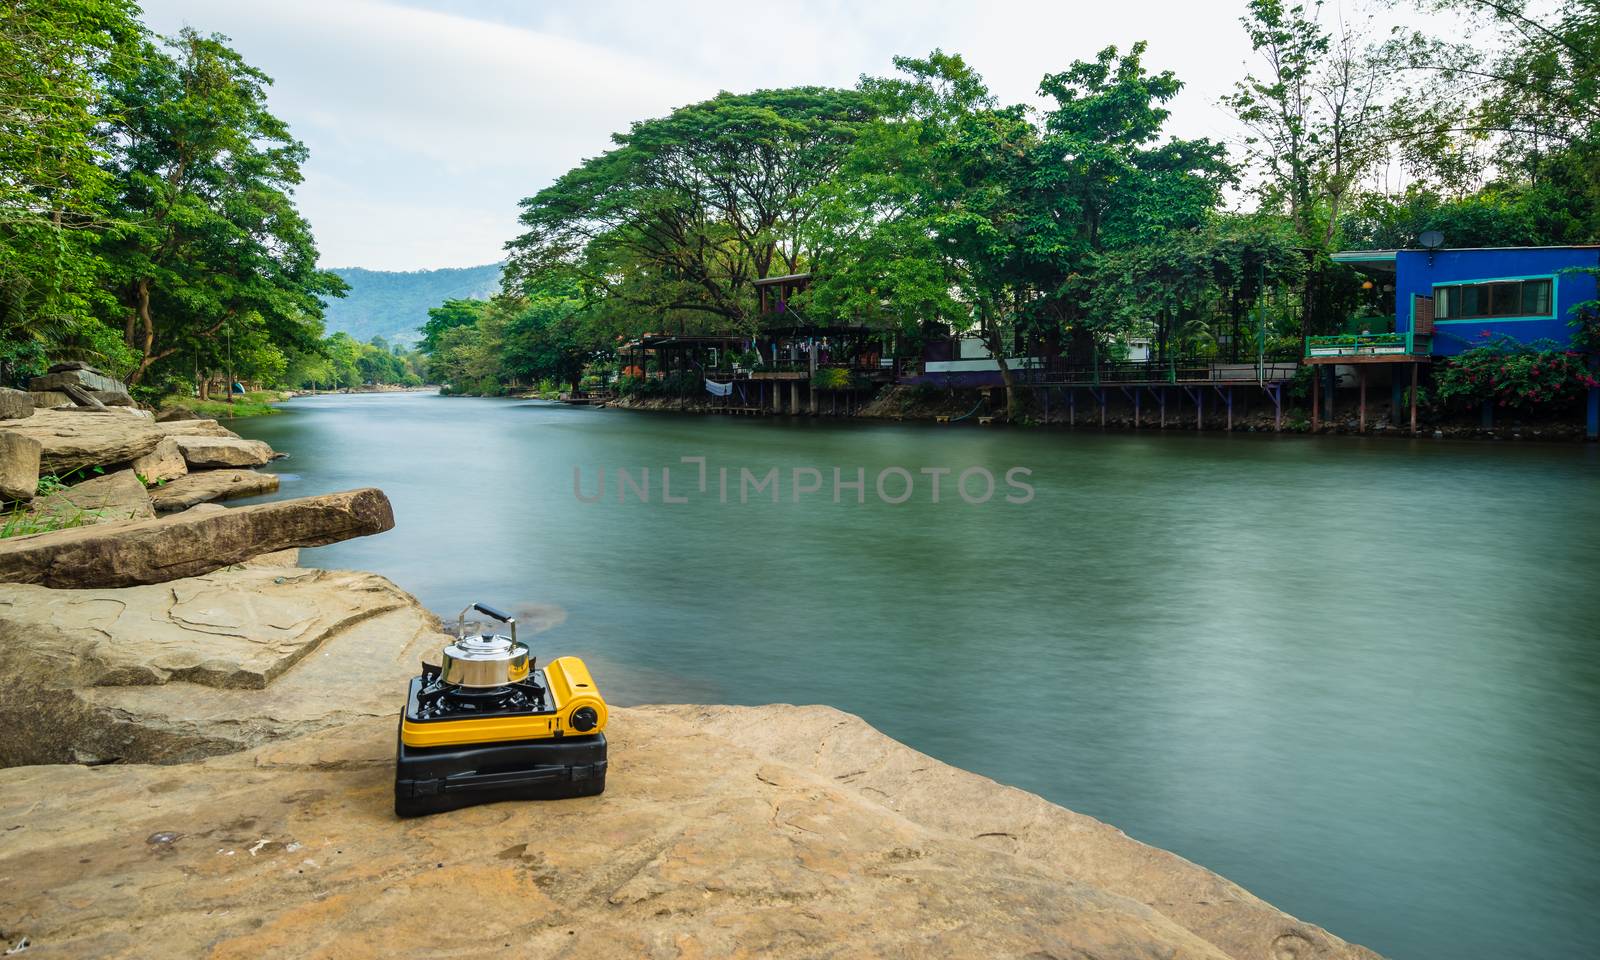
(198, 667)
(204, 486)
(195, 542)
(782, 832)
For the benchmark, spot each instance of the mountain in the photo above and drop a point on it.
(394, 303)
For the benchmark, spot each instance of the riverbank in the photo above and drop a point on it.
(1122, 413)
(230, 730)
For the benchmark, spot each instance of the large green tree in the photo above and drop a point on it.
(970, 213)
(207, 235)
(54, 190)
(688, 209)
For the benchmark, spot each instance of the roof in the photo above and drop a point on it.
(786, 278)
(1374, 256)
(652, 340)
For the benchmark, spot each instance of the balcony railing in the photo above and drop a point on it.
(1368, 344)
(1174, 371)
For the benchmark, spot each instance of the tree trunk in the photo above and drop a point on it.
(146, 346)
(992, 340)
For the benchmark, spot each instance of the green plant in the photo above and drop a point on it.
(21, 522)
(1510, 374)
(48, 484)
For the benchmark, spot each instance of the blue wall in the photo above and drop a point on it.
(1414, 276)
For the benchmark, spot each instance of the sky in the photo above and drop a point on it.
(427, 122)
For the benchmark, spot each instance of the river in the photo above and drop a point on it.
(1360, 677)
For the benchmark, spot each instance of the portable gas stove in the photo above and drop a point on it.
(488, 725)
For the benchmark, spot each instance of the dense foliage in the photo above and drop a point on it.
(1520, 376)
(922, 206)
(147, 222)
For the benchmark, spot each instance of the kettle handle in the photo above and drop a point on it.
(488, 611)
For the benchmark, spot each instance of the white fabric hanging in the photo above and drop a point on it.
(718, 389)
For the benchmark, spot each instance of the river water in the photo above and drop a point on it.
(1360, 677)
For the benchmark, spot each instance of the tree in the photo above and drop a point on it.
(688, 209)
(551, 335)
(451, 313)
(53, 190)
(207, 233)
(1192, 288)
(1323, 114)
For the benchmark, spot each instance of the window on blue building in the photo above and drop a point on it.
(1501, 298)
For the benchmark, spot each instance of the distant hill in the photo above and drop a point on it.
(394, 303)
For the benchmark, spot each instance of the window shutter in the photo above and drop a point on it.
(1422, 315)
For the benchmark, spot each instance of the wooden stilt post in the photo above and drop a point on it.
(1316, 401)
(1361, 417)
(1199, 407)
(1072, 406)
(1102, 407)
(1414, 366)
(1230, 409)
(1138, 392)
(1163, 408)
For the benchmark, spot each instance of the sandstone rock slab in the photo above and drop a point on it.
(843, 748)
(201, 666)
(205, 452)
(15, 404)
(86, 378)
(271, 561)
(703, 845)
(203, 486)
(164, 463)
(189, 544)
(45, 399)
(74, 438)
(19, 466)
(105, 499)
(194, 427)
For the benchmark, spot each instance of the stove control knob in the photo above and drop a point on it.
(584, 719)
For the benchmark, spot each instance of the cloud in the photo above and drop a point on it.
(427, 122)
(426, 128)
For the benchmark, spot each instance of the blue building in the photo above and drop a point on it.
(1459, 298)
(1447, 301)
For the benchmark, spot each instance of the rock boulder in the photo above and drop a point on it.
(189, 544)
(163, 463)
(45, 399)
(206, 452)
(86, 378)
(202, 666)
(706, 843)
(15, 404)
(106, 499)
(206, 485)
(195, 427)
(19, 466)
(75, 438)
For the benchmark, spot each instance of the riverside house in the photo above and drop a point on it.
(1447, 301)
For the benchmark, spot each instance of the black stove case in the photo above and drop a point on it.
(435, 779)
